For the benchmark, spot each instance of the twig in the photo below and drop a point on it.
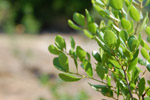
(145, 93)
(136, 28)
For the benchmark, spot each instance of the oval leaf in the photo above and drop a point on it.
(134, 13)
(110, 38)
(96, 55)
(58, 66)
(72, 43)
(88, 34)
(116, 4)
(73, 25)
(79, 19)
(92, 27)
(124, 35)
(88, 68)
(63, 61)
(133, 64)
(144, 53)
(52, 49)
(141, 86)
(147, 30)
(126, 24)
(88, 16)
(100, 70)
(68, 77)
(80, 53)
(60, 42)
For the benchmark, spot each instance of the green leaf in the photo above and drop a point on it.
(133, 86)
(52, 49)
(102, 24)
(145, 22)
(124, 35)
(147, 3)
(135, 73)
(97, 56)
(134, 13)
(100, 70)
(144, 53)
(148, 81)
(79, 19)
(101, 11)
(88, 16)
(148, 67)
(72, 43)
(99, 2)
(147, 30)
(92, 27)
(68, 77)
(145, 45)
(88, 56)
(88, 34)
(80, 53)
(126, 24)
(97, 87)
(116, 4)
(108, 80)
(58, 66)
(141, 86)
(88, 68)
(60, 42)
(110, 38)
(106, 91)
(63, 61)
(148, 39)
(73, 25)
(115, 63)
(142, 61)
(127, 53)
(133, 42)
(132, 64)
(101, 44)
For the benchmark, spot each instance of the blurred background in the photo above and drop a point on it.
(27, 28)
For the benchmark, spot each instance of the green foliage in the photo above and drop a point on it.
(68, 78)
(120, 41)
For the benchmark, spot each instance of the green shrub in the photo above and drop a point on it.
(117, 60)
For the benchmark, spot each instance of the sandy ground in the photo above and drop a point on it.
(23, 58)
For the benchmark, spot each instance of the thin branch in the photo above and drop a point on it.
(126, 79)
(145, 93)
(136, 28)
(128, 84)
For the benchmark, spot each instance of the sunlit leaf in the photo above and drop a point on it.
(110, 38)
(68, 77)
(60, 42)
(52, 49)
(88, 68)
(134, 13)
(116, 4)
(72, 43)
(79, 19)
(80, 53)
(144, 53)
(73, 25)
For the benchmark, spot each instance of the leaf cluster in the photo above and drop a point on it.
(120, 43)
